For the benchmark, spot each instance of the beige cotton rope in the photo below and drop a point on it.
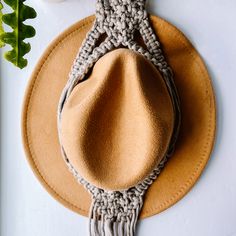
(116, 212)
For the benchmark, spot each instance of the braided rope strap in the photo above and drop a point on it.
(116, 212)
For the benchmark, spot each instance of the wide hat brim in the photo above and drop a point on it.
(197, 132)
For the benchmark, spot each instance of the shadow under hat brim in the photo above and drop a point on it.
(197, 133)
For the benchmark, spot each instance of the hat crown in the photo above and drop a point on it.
(117, 124)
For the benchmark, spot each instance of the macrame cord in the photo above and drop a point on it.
(116, 212)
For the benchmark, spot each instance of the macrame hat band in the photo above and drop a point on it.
(118, 118)
(115, 210)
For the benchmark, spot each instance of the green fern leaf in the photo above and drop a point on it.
(20, 31)
(1, 27)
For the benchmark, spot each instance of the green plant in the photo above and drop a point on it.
(1, 27)
(20, 31)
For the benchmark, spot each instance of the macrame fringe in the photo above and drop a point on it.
(109, 228)
(102, 224)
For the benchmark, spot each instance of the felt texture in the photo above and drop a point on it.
(197, 133)
(117, 124)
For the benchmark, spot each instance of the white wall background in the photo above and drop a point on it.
(208, 210)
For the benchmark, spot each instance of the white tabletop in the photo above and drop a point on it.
(208, 209)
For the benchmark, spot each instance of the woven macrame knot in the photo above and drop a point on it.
(120, 18)
(116, 205)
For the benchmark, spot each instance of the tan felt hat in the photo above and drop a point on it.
(124, 117)
(117, 123)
